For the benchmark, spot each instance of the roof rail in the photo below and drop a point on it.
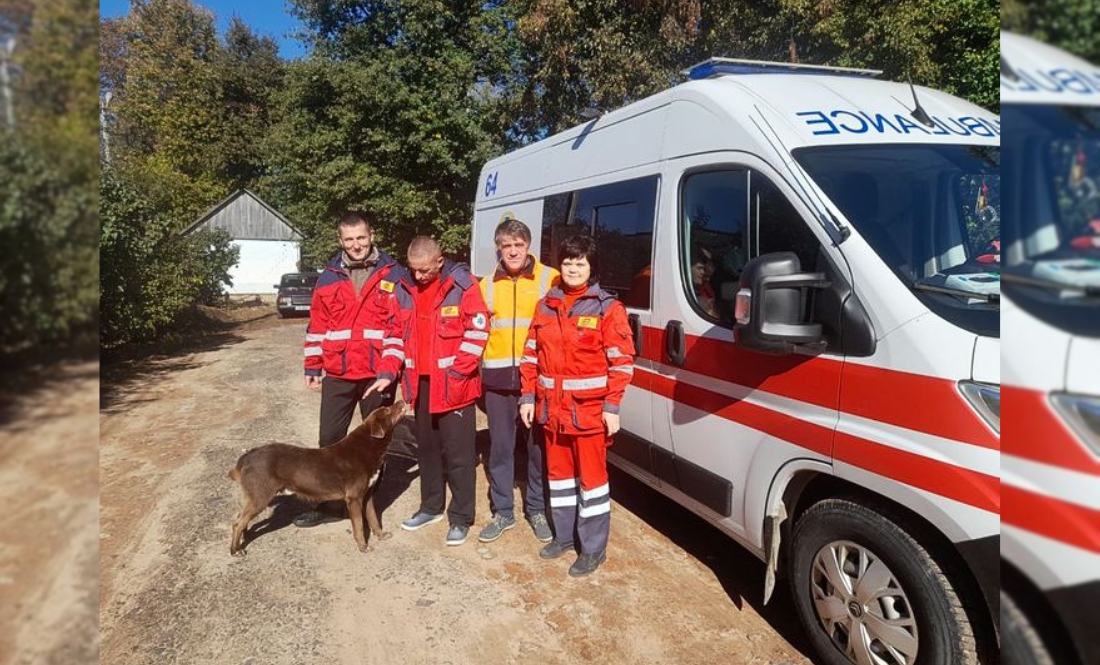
(724, 66)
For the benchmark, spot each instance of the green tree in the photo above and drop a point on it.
(1068, 24)
(391, 115)
(188, 118)
(48, 202)
(249, 73)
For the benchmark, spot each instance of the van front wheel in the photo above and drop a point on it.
(867, 592)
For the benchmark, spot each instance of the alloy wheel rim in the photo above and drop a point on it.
(862, 606)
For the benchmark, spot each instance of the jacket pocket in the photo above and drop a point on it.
(334, 356)
(459, 389)
(587, 412)
(451, 327)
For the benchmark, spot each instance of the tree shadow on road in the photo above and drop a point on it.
(739, 572)
(21, 387)
(125, 374)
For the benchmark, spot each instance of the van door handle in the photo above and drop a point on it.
(636, 331)
(674, 342)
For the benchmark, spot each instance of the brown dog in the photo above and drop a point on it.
(345, 470)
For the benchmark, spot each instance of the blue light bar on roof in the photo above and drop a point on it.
(725, 66)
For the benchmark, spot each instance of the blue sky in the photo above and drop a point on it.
(266, 17)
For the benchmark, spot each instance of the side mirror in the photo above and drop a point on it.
(275, 286)
(771, 311)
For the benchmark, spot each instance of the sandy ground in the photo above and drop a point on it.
(49, 528)
(672, 591)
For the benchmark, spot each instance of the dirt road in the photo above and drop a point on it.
(49, 526)
(672, 590)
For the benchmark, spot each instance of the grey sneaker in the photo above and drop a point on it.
(420, 520)
(496, 528)
(586, 564)
(457, 535)
(541, 527)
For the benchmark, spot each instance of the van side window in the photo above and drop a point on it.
(620, 215)
(728, 217)
(777, 226)
(714, 214)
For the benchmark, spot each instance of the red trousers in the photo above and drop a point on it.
(580, 498)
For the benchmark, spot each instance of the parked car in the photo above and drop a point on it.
(295, 292)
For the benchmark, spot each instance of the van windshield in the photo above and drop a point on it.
(1052, 224)
(931, 211)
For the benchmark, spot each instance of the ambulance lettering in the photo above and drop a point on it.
(1054, 80)
(843, 121)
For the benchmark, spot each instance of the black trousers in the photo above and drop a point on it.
(338, 400)
(447, 457)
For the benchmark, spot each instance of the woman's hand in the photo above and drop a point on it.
(527, 414)
(611, 422)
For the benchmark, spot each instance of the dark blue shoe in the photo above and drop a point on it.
(456, 535)
(420, 520)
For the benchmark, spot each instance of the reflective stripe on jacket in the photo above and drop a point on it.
(577, 364)
(511, 302)
(356, 336)
(460, 320)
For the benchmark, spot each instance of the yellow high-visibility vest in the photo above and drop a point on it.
(511, 302)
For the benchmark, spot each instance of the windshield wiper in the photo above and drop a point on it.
(1026, 280)
(986, 297)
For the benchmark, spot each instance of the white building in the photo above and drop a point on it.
(269, 244)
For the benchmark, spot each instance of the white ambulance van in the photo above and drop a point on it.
(1050, 463)
(847, 433)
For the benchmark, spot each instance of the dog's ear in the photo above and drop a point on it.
(378, 424)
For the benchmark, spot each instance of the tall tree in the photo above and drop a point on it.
(390, 116)
(48, 203)
(250, 73)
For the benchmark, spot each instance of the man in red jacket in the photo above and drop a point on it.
(354, 338)
(446, 335)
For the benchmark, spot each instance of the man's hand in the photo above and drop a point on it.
(378, 386)
(313, 382)
(527, 414)
(611, 422)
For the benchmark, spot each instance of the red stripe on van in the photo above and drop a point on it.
(1034, 430)
(799, 432)
(1056, 519)
(970, 487)
(812, 380)
(964, 485)
(920, 403)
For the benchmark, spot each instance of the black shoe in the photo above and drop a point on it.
(554, 549)
(315, 518)
(586, 564)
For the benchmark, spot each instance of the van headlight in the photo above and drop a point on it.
(1082, 414)
(985, 398)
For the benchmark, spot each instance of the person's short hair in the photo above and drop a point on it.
(580, 246)
(424, 247)
(354, 218)
(514, 228)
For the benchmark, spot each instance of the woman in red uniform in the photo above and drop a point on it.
(576, 366)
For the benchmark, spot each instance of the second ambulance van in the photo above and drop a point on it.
(807, 255)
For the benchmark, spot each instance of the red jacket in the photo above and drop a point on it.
(577, 364)
(356, 336)
(460, 320)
